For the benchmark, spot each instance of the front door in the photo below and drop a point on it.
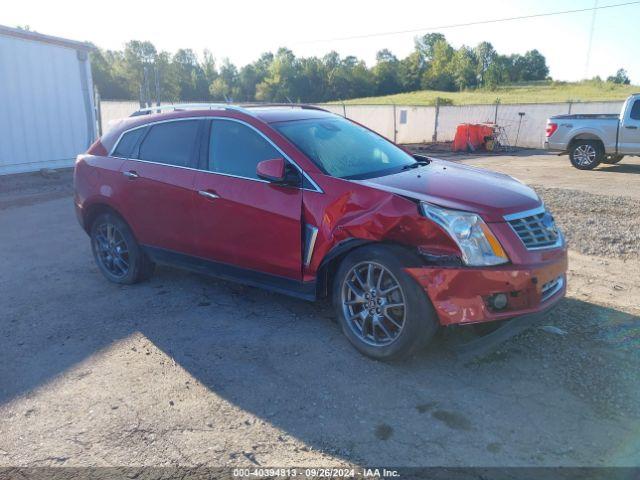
(629, 138)
(240, 219)
(158, 190)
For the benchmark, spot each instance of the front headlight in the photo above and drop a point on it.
(478, 245)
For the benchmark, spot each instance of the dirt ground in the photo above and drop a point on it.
(191, 371)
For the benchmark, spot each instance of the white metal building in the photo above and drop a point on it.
(47, 113)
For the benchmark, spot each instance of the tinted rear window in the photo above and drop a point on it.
(127, 142)
(172, 143)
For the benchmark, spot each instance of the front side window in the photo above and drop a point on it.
(171, 143)
(236, 149)
(635, 110)
(344, 149)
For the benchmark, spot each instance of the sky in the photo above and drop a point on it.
(241, 29)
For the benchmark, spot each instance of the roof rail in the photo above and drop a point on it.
(187, 106)
(221, 106)
(304, 106)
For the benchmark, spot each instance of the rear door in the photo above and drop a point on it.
(157, 197)
(629, 137)
(240, 219)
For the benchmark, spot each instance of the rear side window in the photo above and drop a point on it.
(635, 110)
(171, 143)
(236, 149)
(127, 143)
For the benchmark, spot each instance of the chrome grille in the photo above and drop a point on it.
(536, 229)
(549, 289)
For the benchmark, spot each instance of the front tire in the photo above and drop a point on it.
(382, 310)
(612, 159)
(116, 251)
(586, 154)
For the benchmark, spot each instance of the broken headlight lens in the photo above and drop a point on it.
(478, 244)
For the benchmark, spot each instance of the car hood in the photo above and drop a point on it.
(461, 187)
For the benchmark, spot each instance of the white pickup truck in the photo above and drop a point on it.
(598, 138)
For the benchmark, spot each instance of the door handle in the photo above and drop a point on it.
(131, 174)
(207, 194)
(631, 127)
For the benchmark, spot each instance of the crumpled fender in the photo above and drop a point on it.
(355, 211)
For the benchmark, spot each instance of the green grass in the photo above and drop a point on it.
(539, 92)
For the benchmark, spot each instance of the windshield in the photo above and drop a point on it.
(344, 149)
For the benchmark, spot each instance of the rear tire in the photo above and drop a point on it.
(612, 159)
(383, 311)
(116, 252)
(586, 154)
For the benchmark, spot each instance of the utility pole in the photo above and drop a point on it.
(593, 24)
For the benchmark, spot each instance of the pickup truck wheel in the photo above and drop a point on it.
(116, 251)
(383, 312)
(586, 154)
(612, 159)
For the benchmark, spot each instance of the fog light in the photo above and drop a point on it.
(499, 301)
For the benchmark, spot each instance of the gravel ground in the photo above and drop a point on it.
(600, 370)
(34, 187)
(600, 225)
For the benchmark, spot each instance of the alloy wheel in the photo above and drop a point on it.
(112, 250)
(373, 304)
(585, 155)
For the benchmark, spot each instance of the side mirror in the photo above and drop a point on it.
(272, 170)
(278, 171)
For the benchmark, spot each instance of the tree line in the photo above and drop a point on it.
(434, 64)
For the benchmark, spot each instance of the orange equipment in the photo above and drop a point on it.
(471, 137)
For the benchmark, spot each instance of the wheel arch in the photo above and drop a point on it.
(331, 261)
(585, 136)
(96, 209)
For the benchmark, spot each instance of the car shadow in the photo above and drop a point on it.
(619, 168)
(286, 362)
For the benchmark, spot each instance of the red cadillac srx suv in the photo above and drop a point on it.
(300, 201)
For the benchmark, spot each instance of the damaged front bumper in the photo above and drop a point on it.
(463, 296)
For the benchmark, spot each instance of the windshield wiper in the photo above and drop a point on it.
(419, 163)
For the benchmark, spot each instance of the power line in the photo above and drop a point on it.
(469, 24)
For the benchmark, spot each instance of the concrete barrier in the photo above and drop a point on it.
(417, 124)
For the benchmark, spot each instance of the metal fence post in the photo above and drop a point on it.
(434, 137)
(98, 109)
(495, 117)
(570, 105)
(157, 72)
(395, 126)
(344, 110)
